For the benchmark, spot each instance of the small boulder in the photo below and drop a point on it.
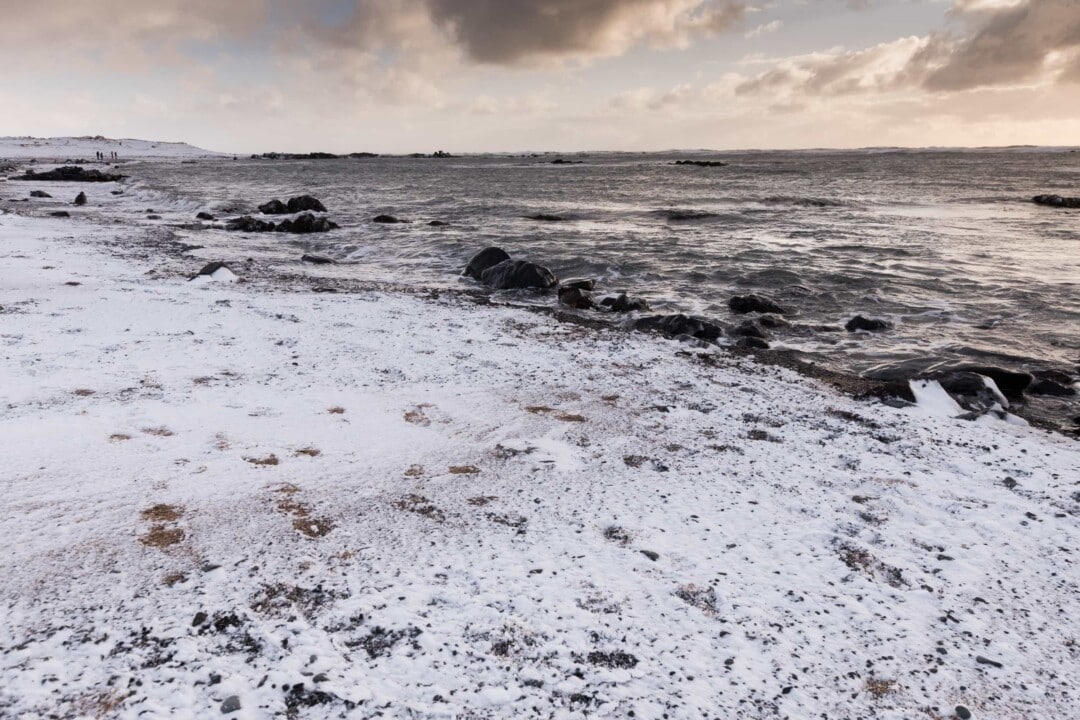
(866, 324)
(577, 298)
(744, 304)
(1057, 201)
(518, 274)
(578, 283)
(274, 207)
(675, 325)
(249, 224)
(624, 304)
(546, 217)
(772, 322)
(231, 705)
(750, 329)
(39, 194)
(60, 214)
(438, 223)
(317, 259)
(1011, 383)
(481, 261)
(304, 224)
(80, 199)
(216, 271)
(752, 343)
(387, 220)
(204, 216)
(305, 203)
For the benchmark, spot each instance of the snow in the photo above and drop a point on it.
(62, 148)
(423, 507)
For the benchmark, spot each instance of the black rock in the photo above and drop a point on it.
(772, 322)
(752, 343)
(317, 259)
(680, 325)
(60, 213)
(578, 283)
(749, 329)
(700, 163)
(1051, 388)
(249, 224)
(387, 220)
(80, 199)
(577, 298)
(231, 705)
(438, 223)
(1012, 384)
(624, 304)
(963, 713)
(743, 304)
(204, 216)
(545, 217)
(274, 207)
(305, 203)
(211, 268)
(1057, 201)
(968, 389)
(987, 661)
(116, 192)
(39, 194)
(153, 217)
(560, 161)
(867, 324)
(654, 556)
(306, 223)
(514, 274)
(481, 261)
(70, 173)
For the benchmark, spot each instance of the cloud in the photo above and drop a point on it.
(763, 29)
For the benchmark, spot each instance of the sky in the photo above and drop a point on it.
(543, 75)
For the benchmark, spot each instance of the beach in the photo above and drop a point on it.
(263, 499)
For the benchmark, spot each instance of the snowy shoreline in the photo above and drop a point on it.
(377, 504)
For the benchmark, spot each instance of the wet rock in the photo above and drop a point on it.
(576, 298)
(211, 268)
(231, 705)
(513, 274)
(316, 259)
(987, 661)
(249, 224)
(70, 173)
(750, 329)
(624, 304)
(39, 194)
(116, 192)
(60, 214)
(481, 261)
(1012, 384)
(305, 203)
(772, 322)
(701, 163)
(654, 556)
(306, 223)
(752, 343)
(969, 390)
(438, 223)
(1051, 388)
(274, 207)
(578, 283)
(675, 325)
(387, 220)
(153, 217)
(80, 199)
(744, 304)
(963, 713)
(205, 216)
(1057, 201)
(866, 324)
(545, 217)
(560, 161)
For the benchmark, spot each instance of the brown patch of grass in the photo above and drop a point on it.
(421, 506)
(102, 704)
(482, 500)
(85, 392)
(464, 470)
(159, 431)
(309, 452)
(161, 537)
(879, 688)
(539, 409)
(267, 461)
(119, 437)
(204, 380)
(416, 416)
(609, 398)
(163, 513)
(221, 442)
(313, 527)
(303, 522)
(634, 461)
(568, 417)
(173, 579)
(336, 411)
(415, 471)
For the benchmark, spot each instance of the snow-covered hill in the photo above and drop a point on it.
(61, 148)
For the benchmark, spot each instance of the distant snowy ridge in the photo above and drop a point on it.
(61, 148)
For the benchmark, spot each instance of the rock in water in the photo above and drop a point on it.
(518, 274)
(545, 217)
(624, 304)
(274, 207)
(70, 173)
(750, 329)
(39, 194)
(675, 325)
(317, 259)
(743, 304)
(438, 223)
(204, 216)
(481, 261)
(752, 343)
(249, 224)
(304, 224)
(80, 199)
(867, 324)
(1057, 201)
(577, 298)
(963, 713)
(305, 203)
(1011, 384)
(1051, 388)
(578, 283)
(60, 214)
(387, 220)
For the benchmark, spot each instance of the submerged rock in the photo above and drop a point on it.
(577, 298)
(70, 173)
(680, 325)
(60, 214)
(249, 224)
(701, 163)
(481, 261)
(1051, 388)
(579, 283)
(866, 324)
(387, 220)
(438, 223)
(750, 329)
(624, 304)
(205, 216)
(317, 259)
(274, 207)
(305, 203)
(772, 322)
(306, 223)
(545, 217)
(80, 199)
(518, 274)
(39, 194)
(744, 304)
(1057, 201)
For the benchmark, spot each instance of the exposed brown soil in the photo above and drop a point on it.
(269, 460)
(163, 513)
(161, 537)
(464, 470)
(159, 431)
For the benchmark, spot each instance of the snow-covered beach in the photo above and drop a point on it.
(257, 499)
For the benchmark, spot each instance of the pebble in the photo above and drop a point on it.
(651, 555)
(231, 705)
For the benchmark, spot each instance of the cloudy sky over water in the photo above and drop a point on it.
(476, 75)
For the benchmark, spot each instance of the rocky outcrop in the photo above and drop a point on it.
(865, 324)
(204, 216)
(249, 224)
(518, 274)
(745, 304)
(305, 203)
(274, 207)
(481, 261)
(1057, 201)
(70, 173)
